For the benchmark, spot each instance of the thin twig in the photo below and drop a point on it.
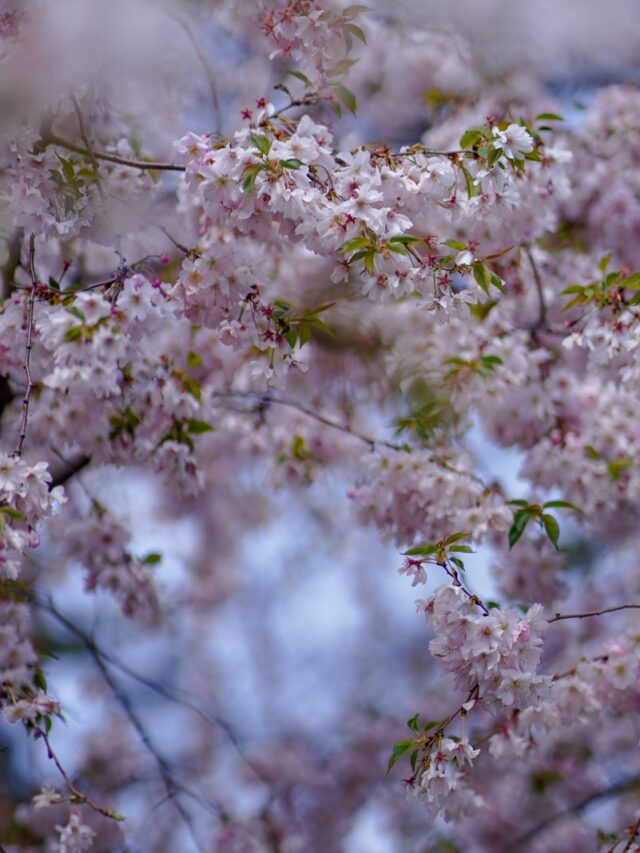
(211, 719)
(72, 467)
(266, 399)
(632, 831)
(523, 840)
(541, 322)
(8, 269)
(560, 616)
(87, 143)
(215, 100)
(164, 768)
(77, 796)
(53, 139)
(27, 357)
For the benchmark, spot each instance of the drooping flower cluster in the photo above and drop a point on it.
(26, 498)
(421, 494)
(496, 653)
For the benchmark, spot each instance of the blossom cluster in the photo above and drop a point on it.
(26, 498)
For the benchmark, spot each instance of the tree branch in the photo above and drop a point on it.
(612, 791)
(160, 689)
(541, 322)
(266, 399)
(27, 357)
(12, 263)
(76, 794)
(54, 139)
(560, 616)
(171, 785)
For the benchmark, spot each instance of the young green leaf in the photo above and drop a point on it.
(347, 97)
(520, 521)
(399, 748)
(552, 527)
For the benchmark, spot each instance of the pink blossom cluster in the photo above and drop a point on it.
(496, 653)
(26, 498)
(419, 494)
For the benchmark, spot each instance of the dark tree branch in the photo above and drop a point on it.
(560, 616)
(143, 165)
(27, 357)
(520, 843)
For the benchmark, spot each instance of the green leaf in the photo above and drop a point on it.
(193, 387)
(414, 723)
(356, 31)
(39, 680)
(456, 244)
(398, 248)
(632, 282)
(549, 117)
(198, 427)
(291, 336)
(560, 505)
(470, 137)
(152, 558)
(320, 324)
(293, 163)
(399, 748)
(497, 282)
(462, 549)
(300, 76)
(552, 527)
(347, 97)
(473, 189)
(481, 310)
(617, 466)
(341, 68)
(406, 239)
(355, 243)
(518, 502)
(73, 334)
(261, 142)
(355, 9)
(193, 359)
(413, 758)
(76, 312)
(67, 167)
(482, 275)
(520, 521)
(248, 184)
(493, 156)
(12, 512)
(420, 551)
(456, 537)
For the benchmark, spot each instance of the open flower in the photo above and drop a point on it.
(515, 142)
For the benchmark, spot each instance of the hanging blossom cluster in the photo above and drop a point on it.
(419, 494)
(495, 655)
(26, 498)
(23, 696)
(101, 543)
